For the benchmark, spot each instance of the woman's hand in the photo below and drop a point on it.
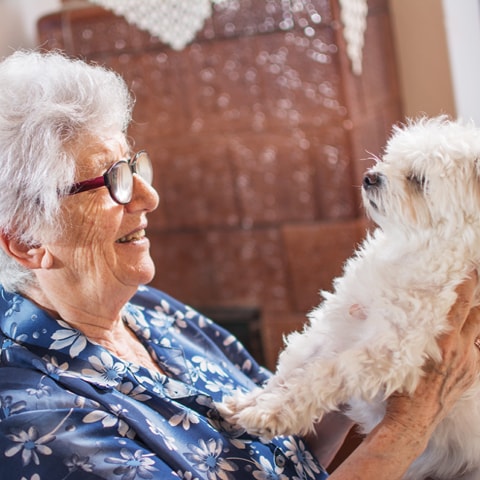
(444, 382)
(401, 437)
(329, 435)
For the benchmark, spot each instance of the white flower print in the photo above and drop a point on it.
(159, 318)
(55, 370)
(230, 340)
(30, 444)
(206, 458)
(134, 368)
(304, 462)
(68, 337)
(246, 365)
(106, 371)
(81, 402)
(186, 419)
(155, 429)
(13, 304)
(214, 387)
(186, 475)
(267, 471)
(155, 384)
(8, 344)
(40, 390)
(180, 319)
(75, 463)
(134, 314)
(240, 444)
(164, 306)
(134, 317)
(133, 464)
(175, 389)
(9, 407)
(165, 342)
(109, 419)
(170, 442)
(136, 392)
(191, 313)
(206, 366)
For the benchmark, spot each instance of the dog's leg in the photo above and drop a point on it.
(294, 399)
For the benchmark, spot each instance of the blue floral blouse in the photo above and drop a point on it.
(69, 409)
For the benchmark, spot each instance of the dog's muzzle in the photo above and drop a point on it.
(371, 185)
(372, 180)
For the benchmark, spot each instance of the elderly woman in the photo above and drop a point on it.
(102, 377)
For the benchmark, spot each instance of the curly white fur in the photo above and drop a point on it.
(372, 336)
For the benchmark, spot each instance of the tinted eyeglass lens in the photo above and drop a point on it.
(143, 167)
(121, 183)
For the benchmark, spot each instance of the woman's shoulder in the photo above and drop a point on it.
(150, 297)
(25, 391)
(196, 332)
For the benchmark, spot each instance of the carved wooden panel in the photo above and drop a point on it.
(259, 132)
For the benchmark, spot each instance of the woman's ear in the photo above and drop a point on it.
(30, 256)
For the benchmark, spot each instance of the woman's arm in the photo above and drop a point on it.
(329, 436)
(401, 437)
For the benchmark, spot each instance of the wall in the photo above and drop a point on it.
(17, 22)
(423, 60)
(463, 36)
(438, 67)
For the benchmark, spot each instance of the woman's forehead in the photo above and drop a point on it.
(100, 153)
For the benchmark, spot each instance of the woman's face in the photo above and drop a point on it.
(102, 249)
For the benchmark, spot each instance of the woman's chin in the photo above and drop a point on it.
(146, 273)
(135, 262)
(140, 272)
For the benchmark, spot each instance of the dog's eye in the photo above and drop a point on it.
(416, 180)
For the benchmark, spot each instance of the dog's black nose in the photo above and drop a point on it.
(371, 180)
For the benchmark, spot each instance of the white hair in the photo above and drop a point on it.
(47, 101)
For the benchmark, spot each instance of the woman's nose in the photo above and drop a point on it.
(144, 196)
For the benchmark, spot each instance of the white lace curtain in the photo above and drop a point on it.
(176, 22)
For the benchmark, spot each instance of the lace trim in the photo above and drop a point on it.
(176, 22)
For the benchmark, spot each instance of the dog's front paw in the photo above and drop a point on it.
(258, 412)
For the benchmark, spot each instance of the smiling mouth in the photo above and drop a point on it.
(132, 237)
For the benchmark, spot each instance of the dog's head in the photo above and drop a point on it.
(428, 179)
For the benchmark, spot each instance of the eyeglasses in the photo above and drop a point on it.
(119, 178)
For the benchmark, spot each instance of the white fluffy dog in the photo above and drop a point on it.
(372, 336)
